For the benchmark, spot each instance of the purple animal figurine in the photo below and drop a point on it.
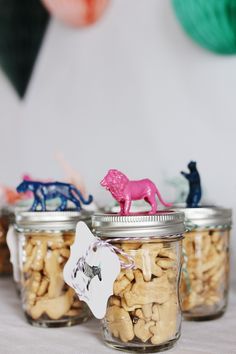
(124, 191)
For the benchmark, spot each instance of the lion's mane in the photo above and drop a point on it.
(116, 182)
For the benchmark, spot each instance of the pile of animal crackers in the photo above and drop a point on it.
(45, 291)
(207, 275)
(144, 304)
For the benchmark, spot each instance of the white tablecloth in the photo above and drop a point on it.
(16, 336)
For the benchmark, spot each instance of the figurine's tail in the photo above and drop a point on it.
(79, 194)
(161, 200)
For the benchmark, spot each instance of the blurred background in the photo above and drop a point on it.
(132, 92)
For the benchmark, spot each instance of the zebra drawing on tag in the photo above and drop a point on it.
(89, 271)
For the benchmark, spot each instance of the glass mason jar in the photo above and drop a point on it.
(44, 248)
(143, 314)
(6, 218)
(205, 275)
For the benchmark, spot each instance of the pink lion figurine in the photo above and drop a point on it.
(124, 191)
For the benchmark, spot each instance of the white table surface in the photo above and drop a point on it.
(17, 336)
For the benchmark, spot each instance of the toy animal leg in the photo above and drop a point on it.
(122, 207)
(153, 203)
(189, 200)
(62, 206)
(43, 204)
(34, 205)
(193, 200)
(127, 206)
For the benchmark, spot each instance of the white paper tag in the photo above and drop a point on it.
(13, 247)
(91, 271)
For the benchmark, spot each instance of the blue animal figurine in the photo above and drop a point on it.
(195, 191)
(51, 190)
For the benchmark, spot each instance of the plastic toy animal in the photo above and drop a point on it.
(89, 271)
(124, 191)
(195, 191)
(50, 190)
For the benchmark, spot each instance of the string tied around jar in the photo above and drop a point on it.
(106, 243)
(115, 249)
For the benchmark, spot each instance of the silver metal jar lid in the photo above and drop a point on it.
(54, 221)
(163, 224)
(207, 217)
